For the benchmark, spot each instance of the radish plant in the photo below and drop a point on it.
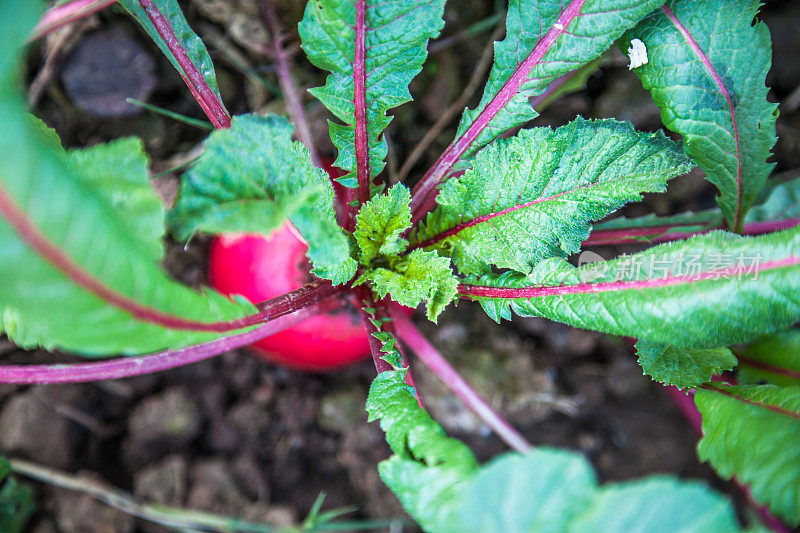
(494, 221)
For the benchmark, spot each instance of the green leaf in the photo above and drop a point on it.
(408, 278)
(381, 221)
(44, 205)
(410, 431)
(396, 38)
(541, 491)
(712, 290)
(774, 359)
(683, 367)
(752, 432)
(535, 195)
(414, 278)
(707, 63)
(658, 504)
(439, 483)
(16, 501)
(252, 178)
(117, 172)
(187, 38)
(545, 39)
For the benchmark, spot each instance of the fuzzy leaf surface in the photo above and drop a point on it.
(408, 278)
(535, 195)
(706, 71)
(711, 290)
(774, 359)
(44, 205)
(752, 432)
(252, 178)
(396, 41)
(545, 39)
(683, 367)
(417, 277)
(658, 504)
(188, 39)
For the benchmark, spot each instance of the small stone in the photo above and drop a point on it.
(171, 416)
(80, 513)
(29, 427)
(163, 483)
(105, 68)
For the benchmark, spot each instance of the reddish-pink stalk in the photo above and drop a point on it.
(701, 55)
(430, 356)
(360, 102)
(612, 286)
(453, 153)
(138, 366)
(211, 105)
(40, 244)
(760, 365)
(684, 401)
(657, 234)
(64, 14)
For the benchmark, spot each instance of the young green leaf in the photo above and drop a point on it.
(439, 483)
(683, 367)
(657, 504)
(774, 359)
(408, 278)
(752, 432)
(72, 273)
(706, 67)
(414, 278)
(251, 178)
(535, 195)
(373, 49)
(712, 290)
(165, 23)
(381, 221)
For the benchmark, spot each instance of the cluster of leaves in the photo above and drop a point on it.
(82, 230)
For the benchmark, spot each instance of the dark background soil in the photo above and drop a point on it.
(241, 436)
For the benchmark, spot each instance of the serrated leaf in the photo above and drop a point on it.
(187, 39)
(657, 504)
(752, 432)
(62, 242)
(774, 359)
(545, 39)
(535, 195)
(410, 431)
(381, 221)
(706, 67)
(252, 178)
(683, 367)
(417, 277)
(712, 290)
(409, 278)
(396, 35)
(16, 501)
